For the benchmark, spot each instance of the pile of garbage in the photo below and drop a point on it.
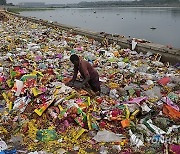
(136, 112)
(3, 16)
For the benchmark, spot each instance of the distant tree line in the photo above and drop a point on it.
(160, 1)
(2, 2)
(128, 3)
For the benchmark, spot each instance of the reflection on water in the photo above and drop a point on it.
(128, 21)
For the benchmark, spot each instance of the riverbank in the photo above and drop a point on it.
(18, 10)
(168, 53)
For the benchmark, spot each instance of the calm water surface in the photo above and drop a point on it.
(128, 21)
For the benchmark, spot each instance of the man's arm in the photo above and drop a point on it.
(74, 75)
(86, 75)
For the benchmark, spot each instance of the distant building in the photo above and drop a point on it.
(32, 4)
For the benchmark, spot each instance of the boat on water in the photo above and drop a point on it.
(153, 28)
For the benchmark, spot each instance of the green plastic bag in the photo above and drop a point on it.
(46, 135)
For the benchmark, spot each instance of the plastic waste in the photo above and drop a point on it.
(155, 92)
(3, 145)
(137, 100)
(171, 112)
(113, 94)
(38, 152)
(174, 148)
(134, 140)
(21, 103)
(19, 86)
(170, 103)
(164, 81)
(103, 150)
(1, 69)
(134, 43)
(107, 136)
(117, 147)
(61, 151)
(46, 135)
(145, 107)
(155, 128)
(41, 110)
(14, 151)
(170, 129)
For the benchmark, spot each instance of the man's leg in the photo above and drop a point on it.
(95, 84)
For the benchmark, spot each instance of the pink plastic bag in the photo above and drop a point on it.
(164, 81)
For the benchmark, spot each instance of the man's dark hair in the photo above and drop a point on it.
(74, 57)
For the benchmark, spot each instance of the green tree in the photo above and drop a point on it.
(2, 2)
(160, 1)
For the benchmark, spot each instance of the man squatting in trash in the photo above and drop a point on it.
(88, 73)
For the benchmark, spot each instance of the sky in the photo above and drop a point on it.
(55, 1)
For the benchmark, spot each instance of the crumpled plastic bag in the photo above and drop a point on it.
(137, 100)
(13, 151)
(1, 69)
(170, 103)
(170, 129)
(135, 140)
(3, 145)
(107, 136)
(171, 112)
(103, 150)
(61, 151)
(155, 92)
(145, 107)
(173, 97)
(164, 81)
(64, 89)
(122, 65)
(46, 135)
(19, 86)
(113, 94)
(134, 43)
(156, 129)
(175, 149)
(21, 103)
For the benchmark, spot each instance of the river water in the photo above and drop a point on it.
(127, 21)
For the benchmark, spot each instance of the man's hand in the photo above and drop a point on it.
(79, 86)
(70, 83)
